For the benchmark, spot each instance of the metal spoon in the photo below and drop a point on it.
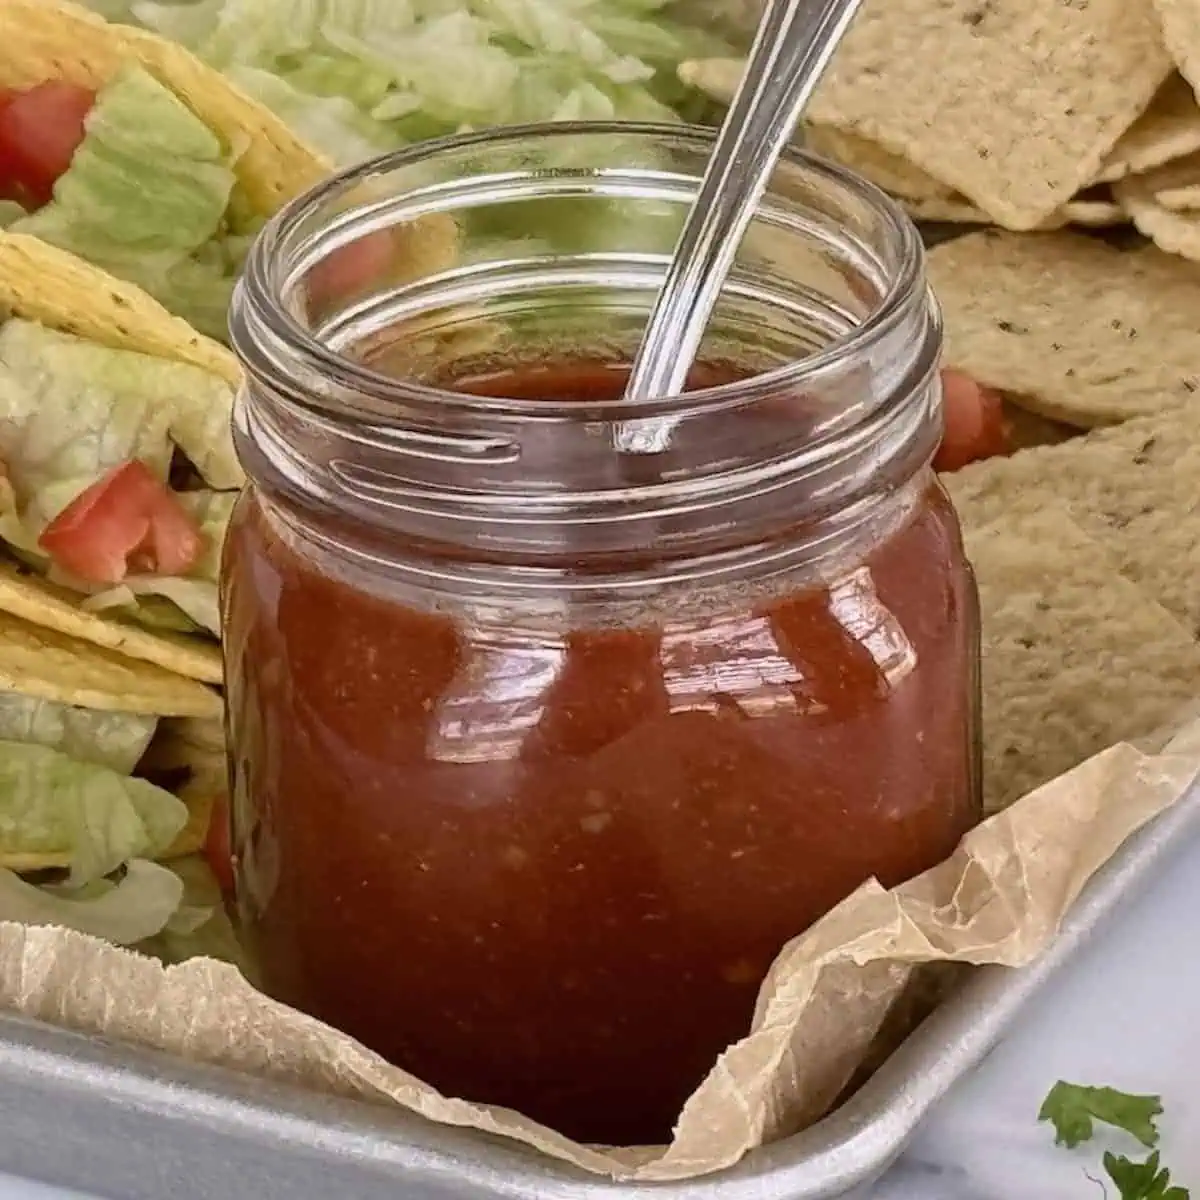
(793, 45)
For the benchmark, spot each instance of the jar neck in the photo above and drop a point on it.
(351, 420)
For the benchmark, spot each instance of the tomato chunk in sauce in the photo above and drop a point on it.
(547, 866)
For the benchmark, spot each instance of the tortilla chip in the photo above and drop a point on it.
(1169, 129)
(1185, 199)
(1026, 429)
(718, 79)
(1093, 214)
(888, 171)
(33, 599)
(923, 196)
(1134, 488)
(1018, 108)
(40, 662)
(1134, 460)
(1172, 231)
(1174, 186)
(952, 210)
(1181, 36)
(1068, 326)
(958, 210)
(1067, 641)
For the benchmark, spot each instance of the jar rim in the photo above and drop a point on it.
(261, 292)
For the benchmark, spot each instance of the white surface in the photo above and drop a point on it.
(1126, 1015)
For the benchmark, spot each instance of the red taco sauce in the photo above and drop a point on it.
(545, 861)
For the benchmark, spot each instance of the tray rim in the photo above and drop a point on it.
(850, 1147)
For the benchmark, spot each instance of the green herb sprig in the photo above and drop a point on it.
(1074, 1109)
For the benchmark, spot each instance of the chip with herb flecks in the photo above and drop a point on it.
(1134, 488)
(1069, 327)
(927, 198)
(1027, 100)
(1066, 640)
(1168, 130)
(1168, 224)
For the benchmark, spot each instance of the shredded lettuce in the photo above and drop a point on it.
(141, 905)
(359, 76)
(147, 197)
(89, 816)
(201, 926)
(330, 124)
(71, 410)
(107, 739)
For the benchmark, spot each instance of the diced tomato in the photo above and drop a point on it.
(40, 130)
(127, 521)
(351, 269)
(974, 423)
(217, 851)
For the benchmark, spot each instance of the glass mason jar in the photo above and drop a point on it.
(543, 749)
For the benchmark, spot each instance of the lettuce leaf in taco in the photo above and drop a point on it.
(146, 191)
(80, 810)
(118, 469)
(124, 149)
(90, 437)
(120, 147)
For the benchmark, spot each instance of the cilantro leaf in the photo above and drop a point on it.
(1073, 1108)
(1142, 1180)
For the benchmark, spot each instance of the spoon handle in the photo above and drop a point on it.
(793, 45)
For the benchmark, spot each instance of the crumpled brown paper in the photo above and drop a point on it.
(999, 899)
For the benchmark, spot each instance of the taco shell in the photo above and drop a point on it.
(32, 598)
(43, 284)
(193, 747)
(43, 663)
(44, 40)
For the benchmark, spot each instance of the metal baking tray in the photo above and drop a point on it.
(126, 1124)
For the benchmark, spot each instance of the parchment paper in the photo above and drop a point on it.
(999, 899)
